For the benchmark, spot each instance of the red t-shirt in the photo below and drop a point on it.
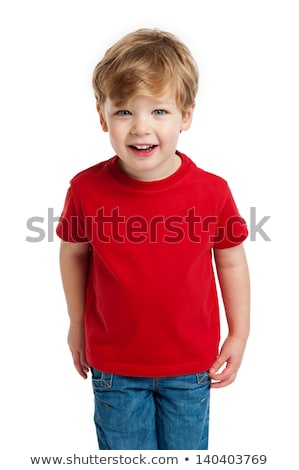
(151, 302)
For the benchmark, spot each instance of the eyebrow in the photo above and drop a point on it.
(156, 101)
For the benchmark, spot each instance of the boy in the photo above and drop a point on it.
(138, 233)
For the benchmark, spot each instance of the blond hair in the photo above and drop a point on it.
(145, 62)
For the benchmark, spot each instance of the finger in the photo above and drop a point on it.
(223, 374)
(84, 363)
(219, 362)
(82, 369)
(224, 383)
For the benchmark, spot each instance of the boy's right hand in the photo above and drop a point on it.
(76, 342)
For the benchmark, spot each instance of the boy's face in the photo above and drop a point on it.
(144, 134)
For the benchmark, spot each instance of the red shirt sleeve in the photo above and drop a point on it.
(231, 227)
(71, 227)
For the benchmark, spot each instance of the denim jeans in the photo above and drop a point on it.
(151, 413)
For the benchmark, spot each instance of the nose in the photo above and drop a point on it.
(140, 127)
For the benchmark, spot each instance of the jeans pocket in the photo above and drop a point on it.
(203, 378)
(101, 380)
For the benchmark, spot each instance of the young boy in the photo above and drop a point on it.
(138, 234)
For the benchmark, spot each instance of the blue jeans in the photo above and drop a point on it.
(151, 413)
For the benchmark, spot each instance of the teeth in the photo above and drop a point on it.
(143, 147)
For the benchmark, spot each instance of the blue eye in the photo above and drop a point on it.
(159, 112)
(123, 112)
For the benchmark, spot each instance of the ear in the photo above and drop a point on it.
(187, 118)
(102, 118)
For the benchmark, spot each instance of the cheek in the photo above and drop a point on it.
(117, 135)
(115, 132)
(173, 131)
(172, 128)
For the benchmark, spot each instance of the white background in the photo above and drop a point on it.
(245, 129)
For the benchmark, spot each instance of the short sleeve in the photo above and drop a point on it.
(231, 227)
(70, 227)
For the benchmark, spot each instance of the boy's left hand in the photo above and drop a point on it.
(231, 354)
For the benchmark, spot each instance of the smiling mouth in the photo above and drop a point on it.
(143, 148)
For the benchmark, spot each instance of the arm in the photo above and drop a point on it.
(74, 259)
(233, 278)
